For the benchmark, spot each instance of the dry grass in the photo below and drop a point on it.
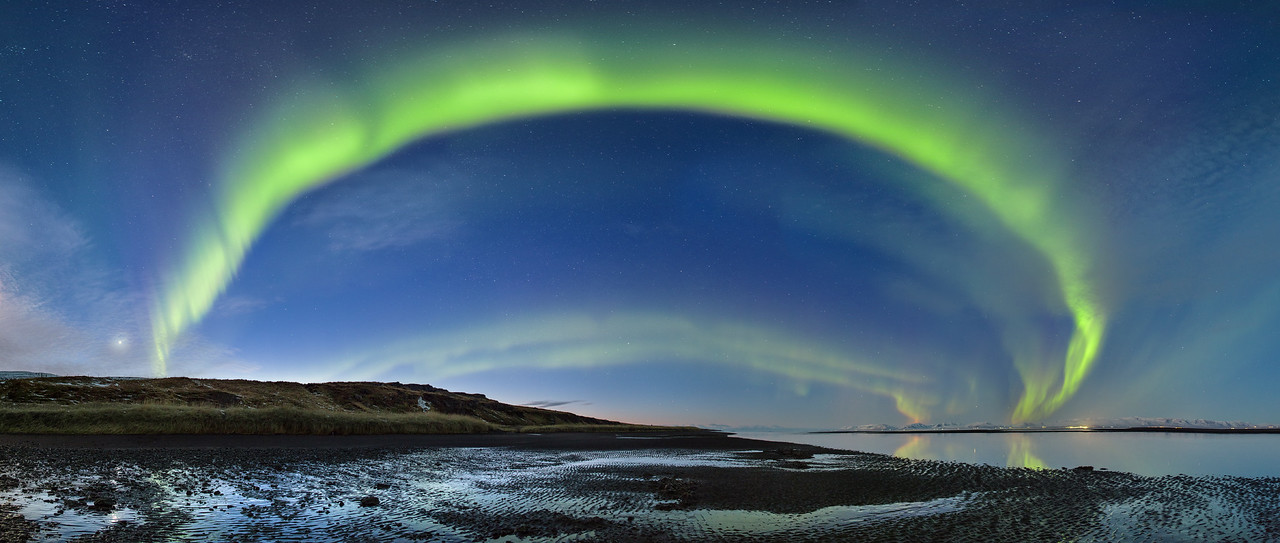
(180, 405)
(185, 419)
(235, 393)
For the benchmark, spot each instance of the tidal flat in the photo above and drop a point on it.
(592, 487)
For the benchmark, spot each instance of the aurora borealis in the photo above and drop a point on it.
(809, 215)
(312, 143)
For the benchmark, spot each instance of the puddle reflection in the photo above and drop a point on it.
(499, 494)
(434, 494)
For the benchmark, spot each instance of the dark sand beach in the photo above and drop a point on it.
(584, 487)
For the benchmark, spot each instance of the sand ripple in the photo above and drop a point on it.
(512, 494)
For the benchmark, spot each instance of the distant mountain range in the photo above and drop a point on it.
(5, 375)
(1079, 424)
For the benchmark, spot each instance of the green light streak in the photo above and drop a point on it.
(319, 134)
(916, 447)
(1022, 453)
(579, 340)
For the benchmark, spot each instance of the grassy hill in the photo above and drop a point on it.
(181, 405)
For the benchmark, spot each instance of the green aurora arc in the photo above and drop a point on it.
(321, 132)
(579, 339)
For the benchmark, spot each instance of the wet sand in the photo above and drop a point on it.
(583, 487)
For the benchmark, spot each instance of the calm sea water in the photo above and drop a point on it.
(1153, 454)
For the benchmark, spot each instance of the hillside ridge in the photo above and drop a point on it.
(58, 405)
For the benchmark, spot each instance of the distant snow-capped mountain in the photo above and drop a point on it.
(1075, 424)
(1148, 422)
(23, 375)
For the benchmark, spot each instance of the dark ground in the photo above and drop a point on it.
(591, 487)
(604, 441)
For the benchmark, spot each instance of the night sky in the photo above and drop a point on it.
(803, 214)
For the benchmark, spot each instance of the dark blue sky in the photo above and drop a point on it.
(1020, 181)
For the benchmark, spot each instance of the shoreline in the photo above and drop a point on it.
(677, 486)
(701, 440)
(1135, 429)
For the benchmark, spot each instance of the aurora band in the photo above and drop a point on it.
(322, 131)
(578, 339)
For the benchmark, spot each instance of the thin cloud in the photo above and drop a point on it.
(61, 310)
(381, 210)
(230, 306)
(547, 404)
(31, 228)
(29, 336)
(34, 234)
